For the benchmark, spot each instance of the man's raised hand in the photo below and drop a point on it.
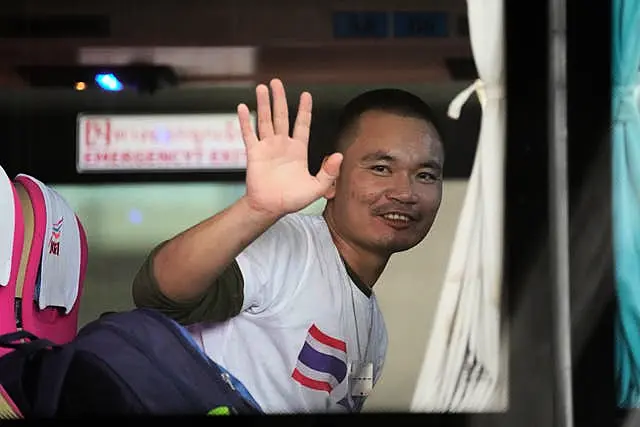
(278, 179)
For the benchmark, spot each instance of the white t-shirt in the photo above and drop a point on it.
(295, 340)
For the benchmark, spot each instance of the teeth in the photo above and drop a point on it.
(396, 217)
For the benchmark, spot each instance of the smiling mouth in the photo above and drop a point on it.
(397, 220)
(397, 217)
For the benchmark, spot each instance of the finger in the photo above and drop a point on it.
(265, 124)
(302, 126)
(329, 171)
(246, 127)
(280, 109)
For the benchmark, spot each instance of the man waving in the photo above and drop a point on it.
(284, 301)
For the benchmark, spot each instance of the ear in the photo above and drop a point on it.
(331, 191)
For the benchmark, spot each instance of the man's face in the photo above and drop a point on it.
(390, 184)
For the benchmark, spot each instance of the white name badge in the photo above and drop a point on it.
(361, 379)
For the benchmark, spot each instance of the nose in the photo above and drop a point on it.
(402, 190)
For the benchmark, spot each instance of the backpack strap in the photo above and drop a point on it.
(9, 340)
(52, 370)
(16, 340)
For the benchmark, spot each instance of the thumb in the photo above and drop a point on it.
(329, 170)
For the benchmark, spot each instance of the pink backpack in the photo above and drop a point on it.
(48, 264)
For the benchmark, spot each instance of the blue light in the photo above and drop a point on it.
(108, 82)
(135, 216)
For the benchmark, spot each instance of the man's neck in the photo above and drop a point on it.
(366, 265)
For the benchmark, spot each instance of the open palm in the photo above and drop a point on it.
(278, 178)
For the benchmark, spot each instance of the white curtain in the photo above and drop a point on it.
(464, 366)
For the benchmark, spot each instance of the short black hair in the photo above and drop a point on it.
(388, 100)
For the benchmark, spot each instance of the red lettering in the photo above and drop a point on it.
(182, 158)
(96, 131)
(54, 248)
(228, 156)
(167, 156)
(102, 156)
(106, 132)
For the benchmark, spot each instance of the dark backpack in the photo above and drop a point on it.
(135, 362)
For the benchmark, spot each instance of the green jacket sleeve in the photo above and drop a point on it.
(222, 300)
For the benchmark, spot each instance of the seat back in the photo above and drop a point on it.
(52, 264)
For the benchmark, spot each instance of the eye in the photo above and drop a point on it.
(381, 169)
(427, 177)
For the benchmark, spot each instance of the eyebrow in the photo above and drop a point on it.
(386, 157)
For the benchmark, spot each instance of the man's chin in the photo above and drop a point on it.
(390, 247)
(402, 247)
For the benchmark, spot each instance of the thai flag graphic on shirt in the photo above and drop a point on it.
(322, 362)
